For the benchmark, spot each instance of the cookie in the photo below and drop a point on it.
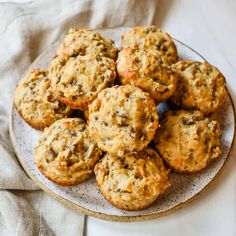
(133, 181)
(146, 71)
(151, 38)
(200, 86)
(187, 140)
(122, 119)
(86, 41)
(65, 154)
(78, 80)
(35, 101)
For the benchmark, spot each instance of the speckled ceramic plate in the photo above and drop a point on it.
(86, 196)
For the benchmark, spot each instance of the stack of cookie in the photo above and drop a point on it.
(116, 137)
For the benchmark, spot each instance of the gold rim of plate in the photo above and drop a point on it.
(116, 217)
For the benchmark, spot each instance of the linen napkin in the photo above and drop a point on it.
(26, 30)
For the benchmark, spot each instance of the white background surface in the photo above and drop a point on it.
(208, 26)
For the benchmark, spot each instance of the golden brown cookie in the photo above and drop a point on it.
(65, 154)
(133, 181)
(187, 140)
(86, 41)
(200, 86)
(35, 101)
(146, 71)
(151, 38)
(122, 119)
(78, 80)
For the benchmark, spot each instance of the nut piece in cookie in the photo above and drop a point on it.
(151, 38)
(122, 119)
(35, 101)
(65, 154)
(87, 41)
(200, 86)
(133, 181)
(147, 71)
(187, 140)
(78, 80)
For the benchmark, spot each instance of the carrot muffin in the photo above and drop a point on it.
(200, 86)
(146, 71)
(187, 140)
(87, 41)
(151, 38)
(122, 119)
(65, 153)
(133, 181)
(35, 101)
(78, 80)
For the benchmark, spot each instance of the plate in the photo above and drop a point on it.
(86, 197)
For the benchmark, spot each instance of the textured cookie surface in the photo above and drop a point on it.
(200, 86)
(122, 119)
(65, 154)
(153, 39)
(78, 80)
(132, 182)
(146, 71)
(35, 101)
(87, 41)
(187, 140)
